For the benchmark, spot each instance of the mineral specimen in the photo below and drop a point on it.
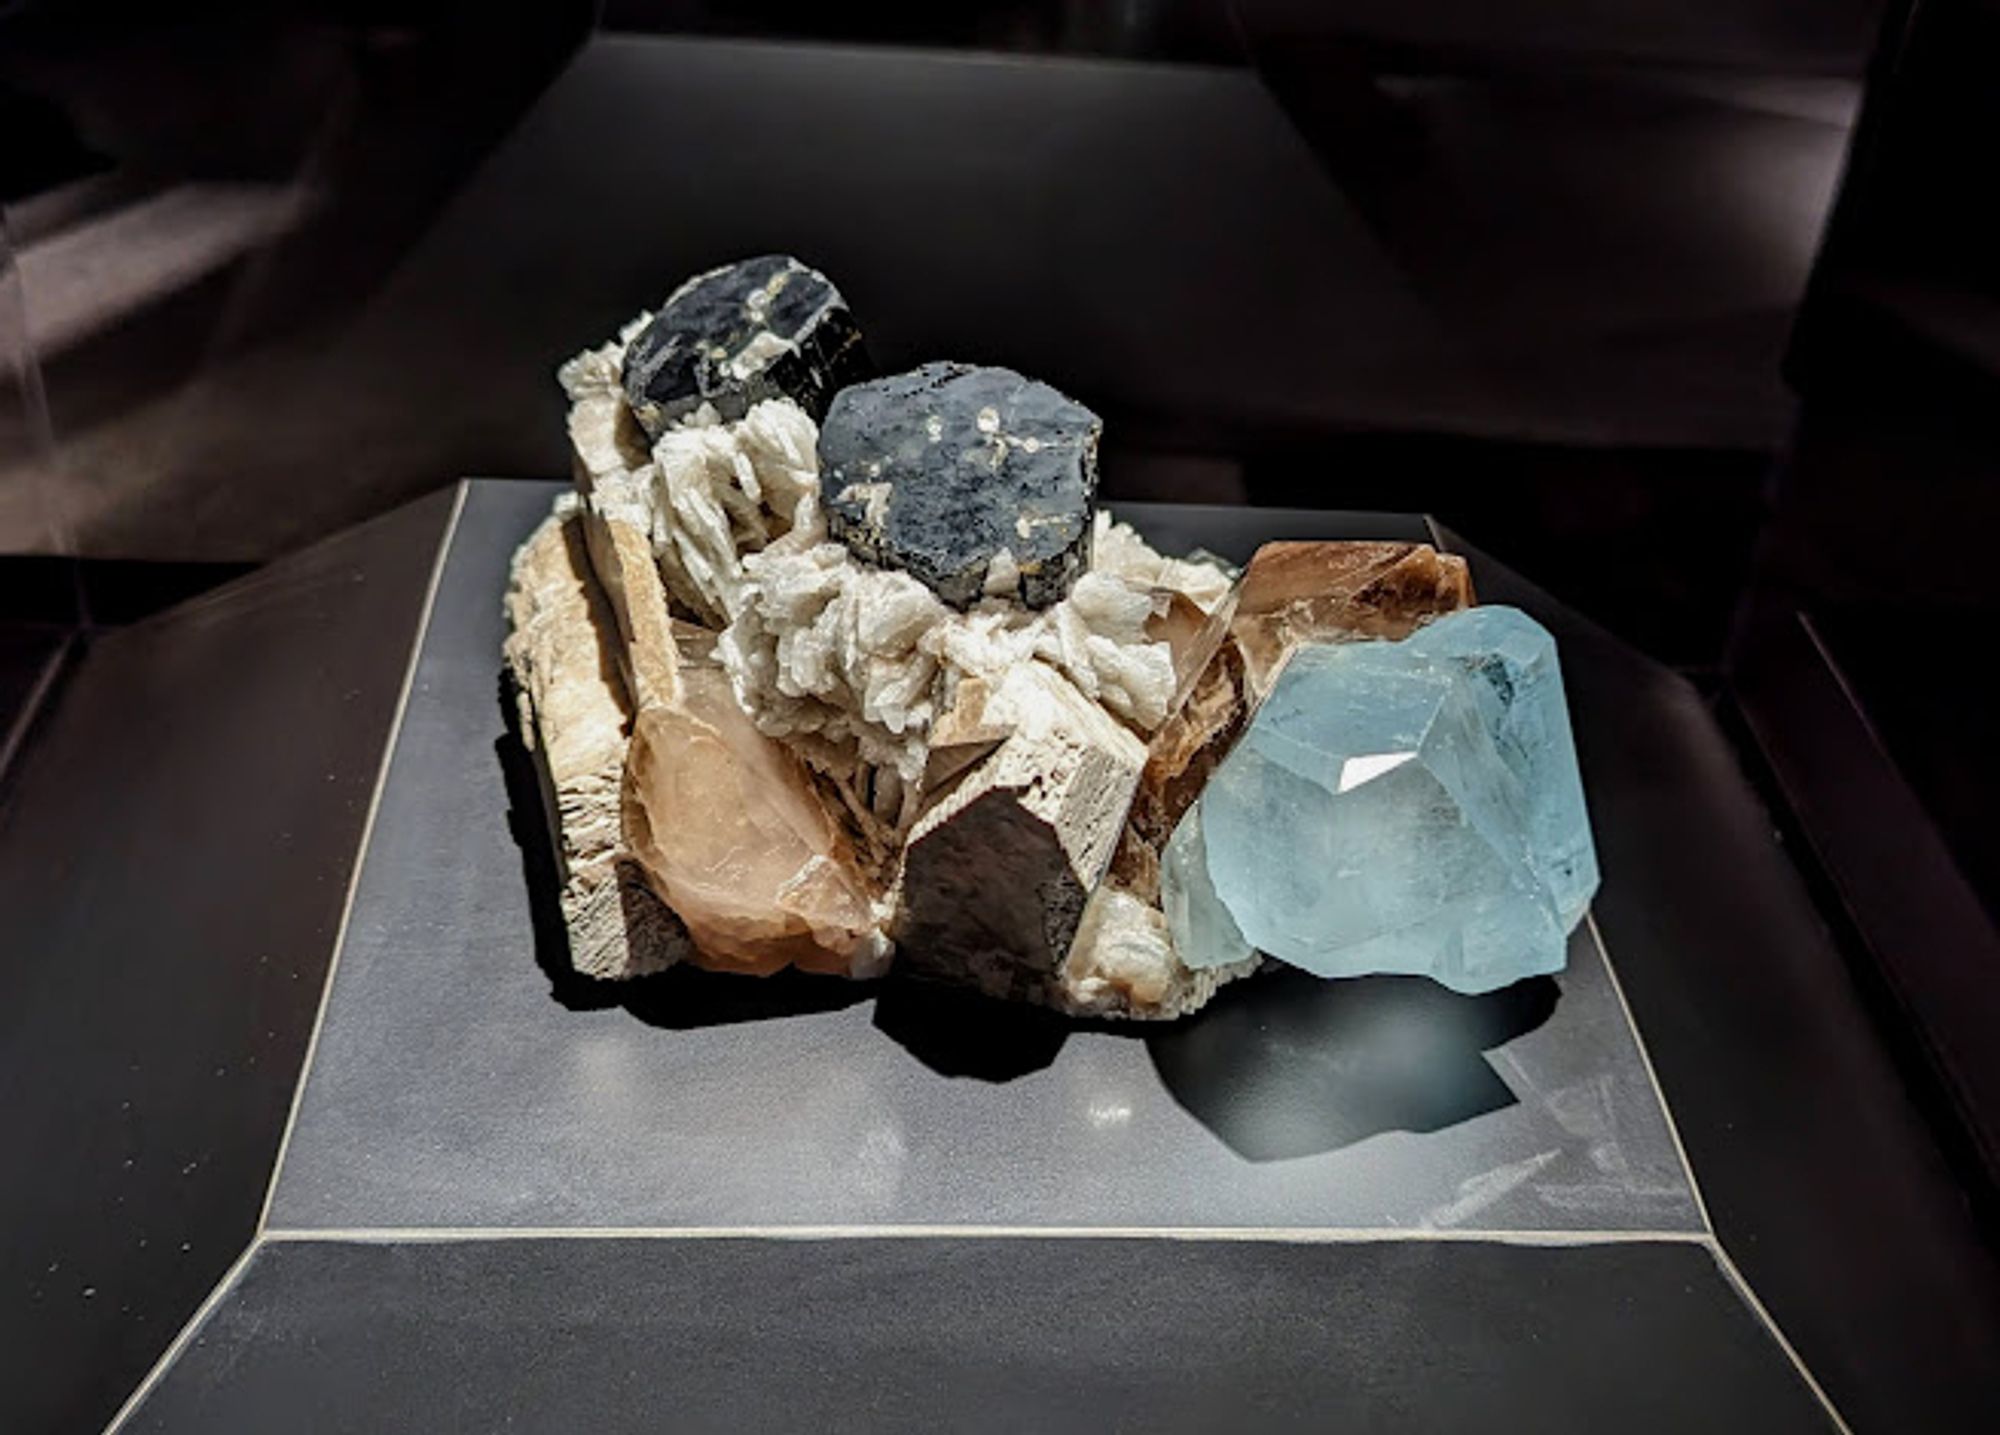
(761, 328)
(1407, 806)
(977, 481)
(895, 689)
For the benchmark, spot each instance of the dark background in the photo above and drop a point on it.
(1639, 294)
(1530, 267)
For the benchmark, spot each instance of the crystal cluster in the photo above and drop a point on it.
(842, 673)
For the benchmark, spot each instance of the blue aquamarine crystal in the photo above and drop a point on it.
(1407, 807)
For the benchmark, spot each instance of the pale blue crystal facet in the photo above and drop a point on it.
(1405, 807)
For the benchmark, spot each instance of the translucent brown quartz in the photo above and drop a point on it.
(1311, 592)
(734, 835)
(1290, 593)
(1194, 738)
(1191, 635)
(688, 835)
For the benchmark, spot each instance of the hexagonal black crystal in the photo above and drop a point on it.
(942, 470)
(763, 328)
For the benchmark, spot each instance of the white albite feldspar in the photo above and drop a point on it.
(1118, 551)
(721, 490)
(853, 662)
(706, 493)
(1123, 964)
(847, 659)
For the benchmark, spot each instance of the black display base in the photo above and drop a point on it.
(936, 1333)
(176, 839)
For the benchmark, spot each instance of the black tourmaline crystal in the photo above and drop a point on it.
(978, 482)
(764, 328)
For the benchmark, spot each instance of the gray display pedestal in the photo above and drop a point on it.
(318, 1133)
(810, 1204)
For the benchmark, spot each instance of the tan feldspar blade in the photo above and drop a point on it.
(997, 870)
(574, 710)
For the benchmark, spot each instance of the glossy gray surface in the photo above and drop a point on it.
(28, 655)
(176, 839)
(1822, 1176)
(1019, 1334)
(452, 1088)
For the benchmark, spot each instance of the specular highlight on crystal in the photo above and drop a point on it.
(1409, 807)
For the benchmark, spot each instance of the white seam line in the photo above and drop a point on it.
(15, 738)
(389, 745)
(1748, 1296)
(180, 1341)
(1839, 676)
(1295, 1235)
(1724, 1261)
(1652, 1075)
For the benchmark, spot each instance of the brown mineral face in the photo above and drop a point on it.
(998, 868)
(824, 756)
(1178, 761)
(1305, 592)
(963, 734)
(1191, 635)
(736, 838)
(1290, 594)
